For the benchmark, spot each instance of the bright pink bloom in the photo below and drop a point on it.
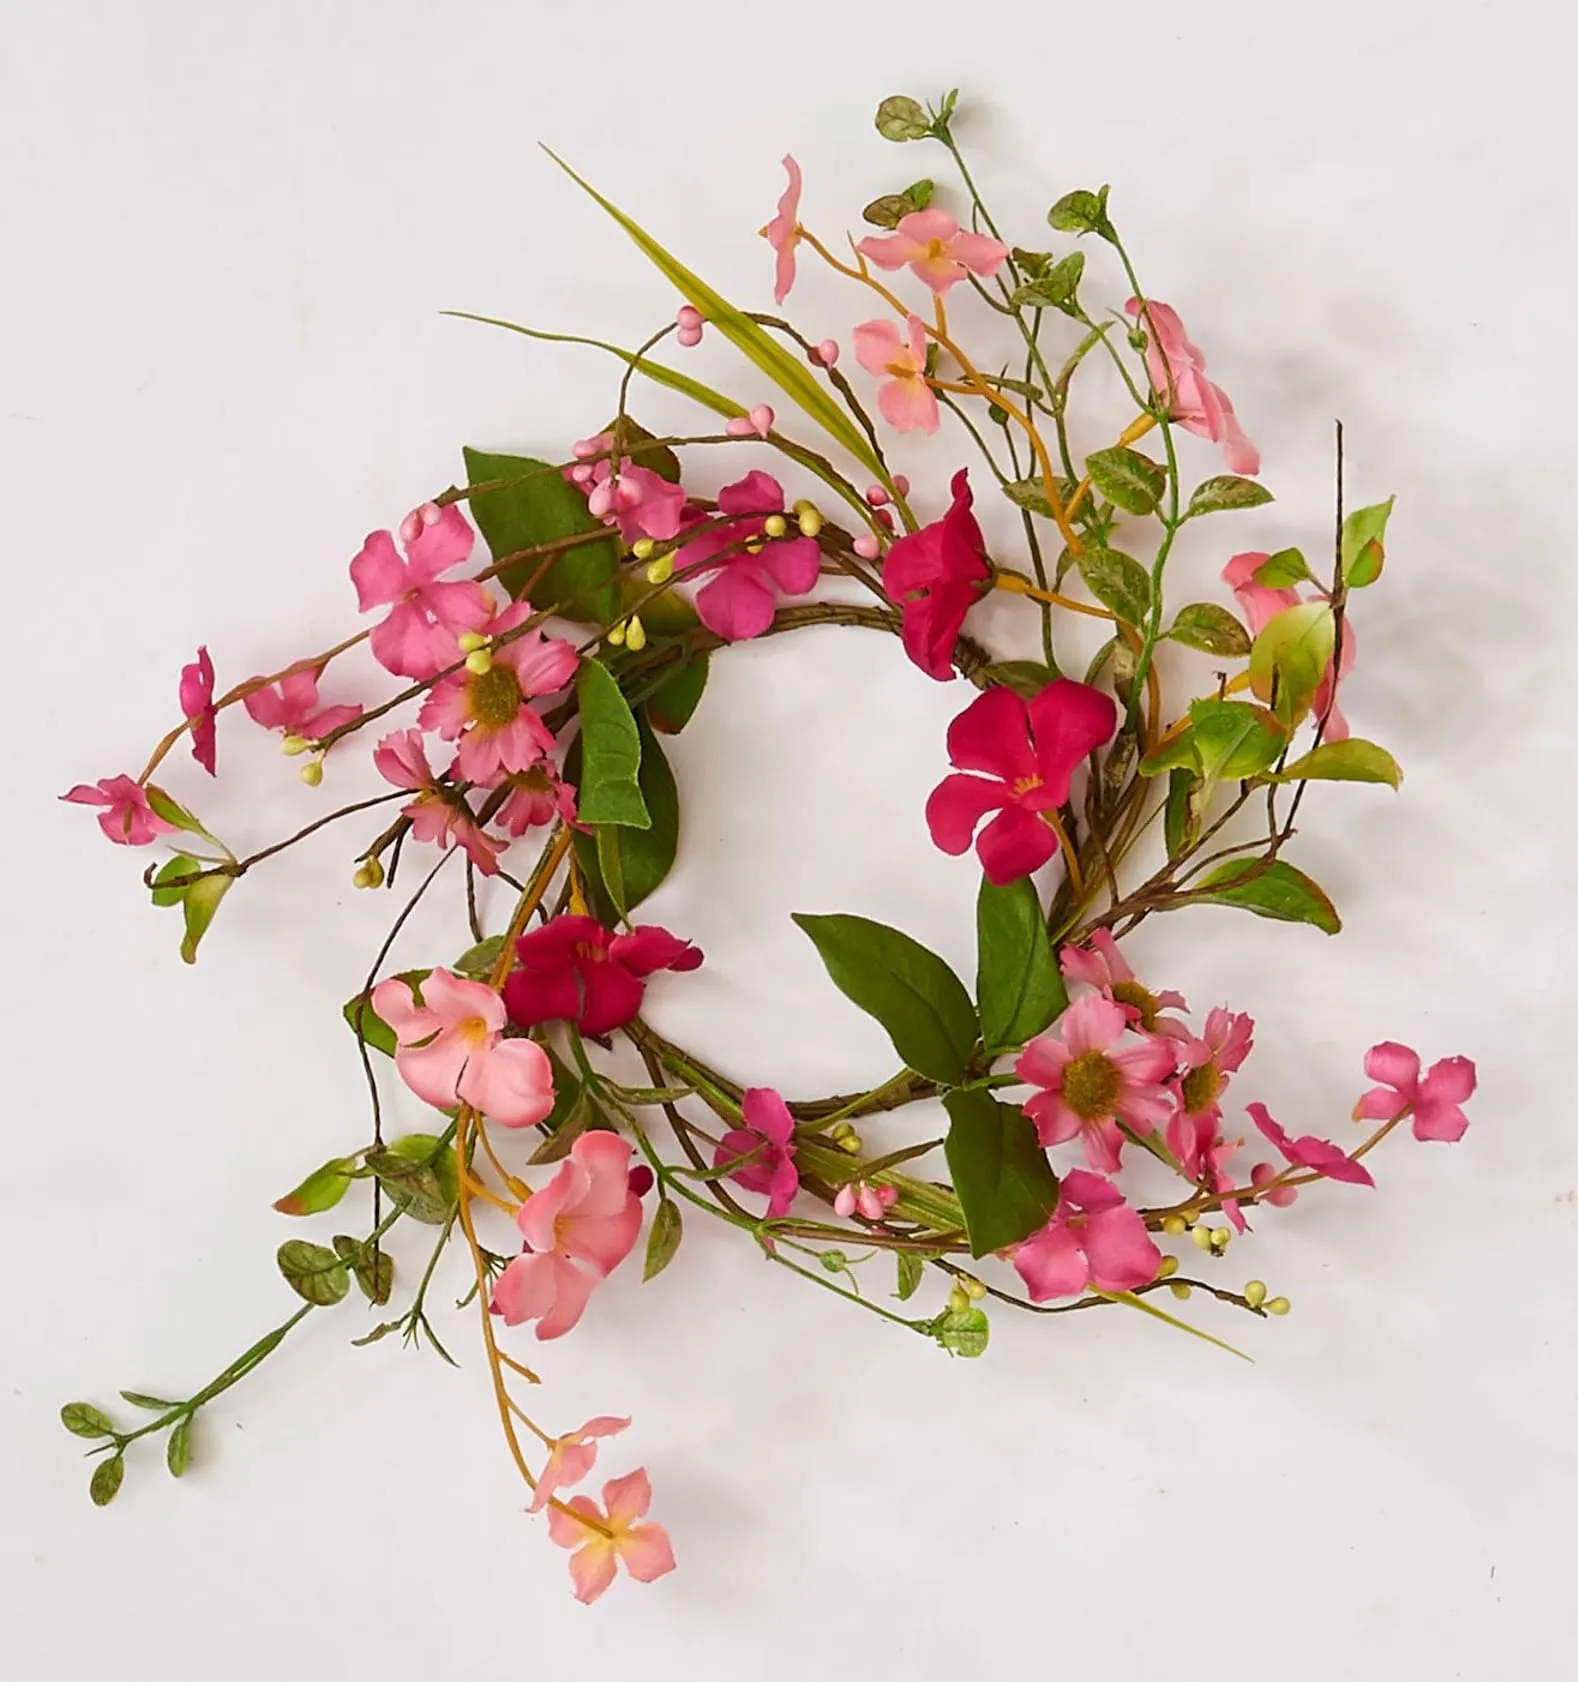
(571, 1457)
(783, 232)
(487, 710)
(576, 1231)
(1199, 406)
(639, 500)
(1102, 966)
(197, 703)
(1310, 1152)
(574, 970)
(1027, 752)
(537, 796)
(1204, 1064)
(748, 570)
(291, 705)
(1435, 1101)
(1262, 602)
(767, 1135)
(935, 576)
(416, 638)
(1093, 1085)
(907, 403)
(871, 1202)
(437, 814)
(450, 1051)
(1094, 1238)
(643, 1549)
(936, 250)
(127, 819)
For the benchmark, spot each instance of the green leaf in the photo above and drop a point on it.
(670, 707)
(912, 1270)
(914, 995)
(199, 904)
(1018, 984)
(173, 812)
(1276, 890)
(368, 1025)
(1283, 570)
(1178, 818)
(1128, 480)
(1352, 761)
(887, 211)
(1118, 582)
(668, 1228)
(962, 1332)
(1029, 494)
(1362, 564)
(624, 865)
(477, 961)
(538, 505)
(1080, 212)
(1173, 754)
(82, 1419)
(314, 1273)
(921, 193)
(1290, 657)
(1000, 1173)
(374, 1268)
(1055, 289)
(1211, 629)
(154, 1404)
(321, 1189)
(1234, 740)
(1367, 565)
(105, 1484)
(641, 447)
(1227, 490)
(610, 752)
(419, 1175)
(1024, 677)
(901, 118)
(178, 1450)
(180, 865)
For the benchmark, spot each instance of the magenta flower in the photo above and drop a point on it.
(1102, 966)
(935, 249)
(416, 638)
(1093, 1239)
(748, 569)
(450, 1050)
(783, 232)
(571, 1457)
(437, 814)
(640, 501)
(1092, 1085)
(1026, 752)
(1309, 1152)
(291, 705)
(487, 710)
(1199, 406)
(127, 819)
(536, 796)
(935, 576)
(197, 703)
(907, 402)
(576, 1230)
(643, 1549)
(1435, 1101)
(869, 1202)
(1263, 602)
(574, 970)
(767, 1136)
(1204, 1063)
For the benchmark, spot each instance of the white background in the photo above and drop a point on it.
(228, 232)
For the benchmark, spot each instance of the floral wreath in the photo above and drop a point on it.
(524, 721)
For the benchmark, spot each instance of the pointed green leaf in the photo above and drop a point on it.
(1128, 480)
(1277, 891)
(1224, 492)
(178, 1450)
(1056, 289)
(321, 1189)
(1361, 528)
(610, 752)
(1080, 212)
(314, 1273)
(1173, 753)
(1234, 740)
(169, 871)
(624, 865)
(1017, 980)
(1211, 630)
(670, 707)
(199, 904)
(1352, 761)
(668, 1228)
(153, 1404)
(1000, 1173)
(368, 1025)
(911, 1271)
(1178, 819)
(173, 812)
(1130, 1300)
(1282, 570)
(1025, 677)
(1290, 657)
(477, 961)
(1118, 582)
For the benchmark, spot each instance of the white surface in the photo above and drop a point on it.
(229, 231)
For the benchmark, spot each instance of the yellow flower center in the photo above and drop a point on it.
(1023, 785)
(1201, 1086)
(473, 1030)
(493, 696)
(936, 250)
(1140, 998)
(1090, 1083)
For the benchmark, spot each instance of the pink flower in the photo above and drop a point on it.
(536, 796)
(1094, 1238)
(906, 401)
(487, 710)
(450, 1051)
(1027, 752)
(1092, 1085)
(1204, 1064)
(767, 1136)
(1198, 406)
(935, 576)
(604, 1538)
(574, 970)
(437, 814)
(936, 250)
(576, 1231)
(571, 1457)
(291, 705)
(197, 703)
(640, 501)
(1261, 603)
(783, 232)
(1435, 1101)
(870, 1202)
(748, 569)
(1309, 1152)
(416, 638)
(1102, 966)
(127, 819)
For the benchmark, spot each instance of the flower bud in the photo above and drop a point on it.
(775, 525)
(471, 641)
(868, 546)
(1168, 1268)
(1182, 1292)
(850, 1144)
(478, 661)
(616, 635)
(974, 1289)
(827, 352)
(1278, 1305)
(1255, 1292)
(1202, 1237)
(808, 518)
(1221, 1237)
(661, 570)
(369, 874)
(312, 772)
(642, 548)
(958, 1300)
(1175, 1226)
(635, 634)
(295, 744)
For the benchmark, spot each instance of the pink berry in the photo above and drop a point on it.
(762, 418)
(689, 319)
(739, 426)
(827, 352)
(875, 495)
(901, 484)
(867, 546)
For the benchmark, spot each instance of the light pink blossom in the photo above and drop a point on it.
(438, 814)
(1309, 1152)
(197, 704)
(907, 402)
(127, 819)
(606, 1537)
(1102, 966)
(1177, 370)
(416, 638)
(783, 232)
(766, 1135)
(291, 705)
(935, 249)
(571, 1457)
(1434, 1100)
(1093, 1239)
(1261, 603)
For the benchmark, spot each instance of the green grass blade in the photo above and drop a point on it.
(1129, 1300)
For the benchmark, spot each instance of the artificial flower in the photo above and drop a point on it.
(856, 1197)
(1102, 966)
(437, 814)
(571, 1457)
(416, 638)
(291, 705)
(935, 576)
(606, 1537)
(748, 569)
(127, 819)
(536, 796)
(1204, 1063)
(1261, 603)
(1093, 1239)
(1026, 752)
(1177, 370)
(907, 402)
(197, 704)
(767, 1137)
(1435, 1099)
(574, 970)
(1309, 1152)
(935, 249)
(783, 232)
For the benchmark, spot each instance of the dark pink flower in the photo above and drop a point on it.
(197, 703)
(767, 1136)
(1309, 1152)
(536, 796)
(1093, 1239)
(1027, 752)
(749, 569)
(783, 232)
(612, 1536)
(638, 500)
(1435, 1100)
(574, 970)
(127, 819)
(1204, 1063)
(291, 705)
(416, 638)
(935, 249)
(935, 576)
(1175, 366)
(437, 814)
(1102, 966)
(1261, 603)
